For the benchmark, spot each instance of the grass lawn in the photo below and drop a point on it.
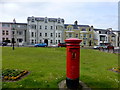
(47, 67)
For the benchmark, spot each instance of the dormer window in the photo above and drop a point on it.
(46, 20)
(32, 20)
(58, 20)
(70, 28)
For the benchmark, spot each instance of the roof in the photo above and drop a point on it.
(100, 30)
(75, 26)
(49, 19)
(13, 23)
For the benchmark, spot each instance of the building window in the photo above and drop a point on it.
(20, 40)
(106, 32)
(51, 27)
(58, 21)
(13, 32)
(45, 34)
(102, 38)
(76, 36)
(90, 36)
(3, 32)
(40, 41)
(58, 34)
(32, 34)
(51, 41)
(32, 41)
(40, 27)
(58, 41)
(3, 39)
(35, 41)
(56, 27)
(20, 32)
(69, 28)
(5, 25)
(6, 38)
(83, 29)
(45, 27)
(35, 34)
(51, 34)
(33, 26)
(84, 35)
(70, 34)
(90, 29)
(40, 34)
(7, 33)
(32, 20)
(46, 21)
(99, 32)
(84, 42)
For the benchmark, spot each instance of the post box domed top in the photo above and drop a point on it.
(73, 40)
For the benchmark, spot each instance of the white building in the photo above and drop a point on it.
(45, 30)
(101, 35)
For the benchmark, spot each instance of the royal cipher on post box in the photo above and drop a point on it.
(72, 62)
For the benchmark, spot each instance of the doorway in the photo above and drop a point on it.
(46, 41)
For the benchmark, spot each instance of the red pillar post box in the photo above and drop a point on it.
(73, 62)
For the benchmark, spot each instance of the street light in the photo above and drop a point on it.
(13, 39)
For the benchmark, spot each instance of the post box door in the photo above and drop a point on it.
(73, 63)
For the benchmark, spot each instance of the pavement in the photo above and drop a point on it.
(82, 86)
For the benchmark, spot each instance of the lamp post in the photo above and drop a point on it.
(13, 39)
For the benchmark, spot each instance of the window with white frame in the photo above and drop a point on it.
(7, 33)
(58, 34)
(51, 27)
(45, 34)
(45, 27)
(3, 32)
(70, 35)
(40, 41)
(40, 34)
(51, 34)
(90, 35)
(40, 27)
(51, 41)
(56, 41)
(76, 35)
(84, 42)
(32, 34)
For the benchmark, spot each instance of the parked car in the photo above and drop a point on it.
(4, 43)
(61, 44)
(99, 47)
(40, 45)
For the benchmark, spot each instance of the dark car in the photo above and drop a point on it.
(4, 43)
(40, 45)
(62, 45)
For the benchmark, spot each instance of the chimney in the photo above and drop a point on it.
(76, 23)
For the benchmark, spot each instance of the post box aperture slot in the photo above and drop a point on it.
(73, 52)
(74, 55)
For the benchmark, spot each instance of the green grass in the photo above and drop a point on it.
(47, 67)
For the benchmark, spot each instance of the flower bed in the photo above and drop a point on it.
(116, 69)
(13, 74)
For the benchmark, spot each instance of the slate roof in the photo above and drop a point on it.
(100, 30)
(75, 26)
(42, 19)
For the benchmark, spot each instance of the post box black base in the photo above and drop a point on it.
(72, 83)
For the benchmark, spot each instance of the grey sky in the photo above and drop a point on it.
(99, 14)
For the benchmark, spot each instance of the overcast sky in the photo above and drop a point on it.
(101, 14)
